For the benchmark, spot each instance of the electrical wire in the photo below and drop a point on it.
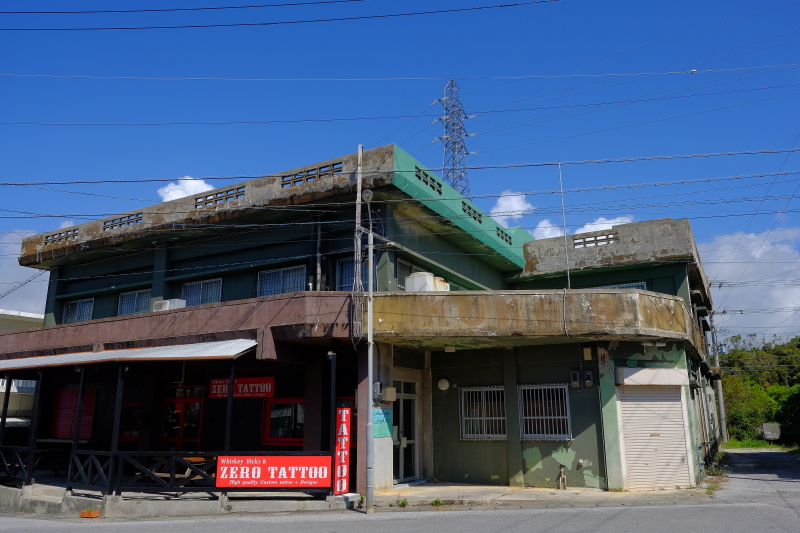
(178, 9)
(291, 22)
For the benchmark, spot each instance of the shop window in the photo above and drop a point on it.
(77, 311)
(345, 275)
(483, 413)
(284, 420)
(281, 281)
(204, 292)
(133, 302)
(64, 410)
(544, 412)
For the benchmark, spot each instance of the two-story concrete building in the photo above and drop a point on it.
(513, 376)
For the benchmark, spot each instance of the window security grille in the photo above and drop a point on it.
(131, 303)
(544, 412)
(77, 311)
(404, 268)
(483, 413)
(204, 292)
(594, 240)
(219, 197)
(310, 175)
(281, 281)
(345, 275)
(627, 285)
(128, 220)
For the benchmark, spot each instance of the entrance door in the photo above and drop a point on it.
(656, 453)
(180, 422)
(404, 432)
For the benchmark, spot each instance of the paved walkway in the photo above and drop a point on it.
(763, 476)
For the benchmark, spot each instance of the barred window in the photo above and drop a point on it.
(544, 412)
(281, 281)
(483, 413)
(345, 275)
(77, 311)
(204, 292)
(131, 303)
(404, 268)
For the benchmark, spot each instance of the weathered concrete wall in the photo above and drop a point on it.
(639, 243)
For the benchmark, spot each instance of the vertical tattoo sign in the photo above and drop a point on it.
(341, 459)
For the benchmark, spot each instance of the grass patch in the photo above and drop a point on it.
(711, 488)
(437, 502)
(733, 444)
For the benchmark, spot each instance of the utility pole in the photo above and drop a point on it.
(723, 423)
(454, 160)
(367, 402)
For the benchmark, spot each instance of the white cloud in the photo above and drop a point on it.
(510, 206)
(727, 259)
(30, 297)
(546, 229)
(602, 223)
(186, 186)
(66, 224)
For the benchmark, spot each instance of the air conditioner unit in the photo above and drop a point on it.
(168, 305)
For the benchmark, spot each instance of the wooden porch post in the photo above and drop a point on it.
(115, 434)
(34, 428)
(4, 415)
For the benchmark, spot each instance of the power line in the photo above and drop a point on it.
(290, 22)
(406, 78)
(176, 9)
(385, 117)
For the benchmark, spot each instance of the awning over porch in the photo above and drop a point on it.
(200, 351)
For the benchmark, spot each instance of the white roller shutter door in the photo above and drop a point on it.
(656, 456)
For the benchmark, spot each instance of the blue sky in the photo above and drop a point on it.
(757, 110)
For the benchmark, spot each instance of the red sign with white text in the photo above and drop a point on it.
(274, 471)
(243, 388)
(341, 459)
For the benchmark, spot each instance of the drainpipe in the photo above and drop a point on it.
(319, 254)
(723, 423)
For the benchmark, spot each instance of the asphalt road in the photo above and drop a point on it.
(762, 495)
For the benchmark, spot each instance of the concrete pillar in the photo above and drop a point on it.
(362, 400)
(158, 291)
(312, 429)
(385, 272)
(615, 469)
(426, 418)
(51, 307)
(513, 444)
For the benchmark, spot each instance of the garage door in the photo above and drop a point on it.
(656, 456)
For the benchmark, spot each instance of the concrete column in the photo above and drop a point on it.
(385, 272)
(158, 290)
(51, 307)
(312, 430)
(362, 411)
(426, 418)
(614, 460)
(513, 444)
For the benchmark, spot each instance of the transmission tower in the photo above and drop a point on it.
(454, 162)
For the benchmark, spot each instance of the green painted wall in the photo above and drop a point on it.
(455, 460)
(538, 462)
(664, 278)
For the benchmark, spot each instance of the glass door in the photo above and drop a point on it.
(404, 432)
(181, 418)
